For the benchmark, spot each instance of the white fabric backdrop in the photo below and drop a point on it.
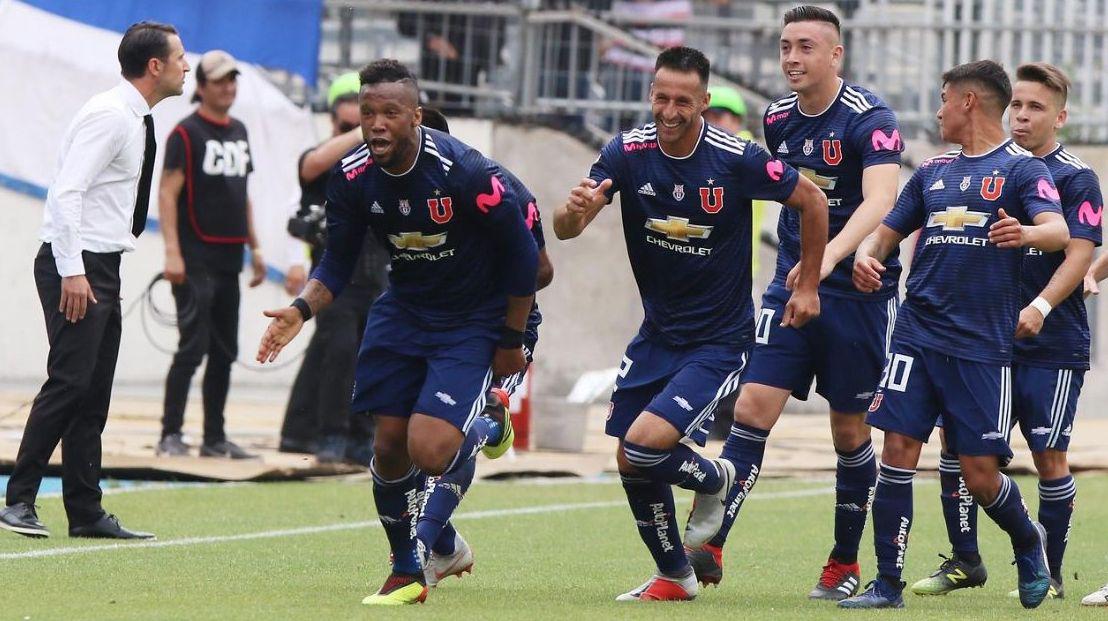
(49, 66)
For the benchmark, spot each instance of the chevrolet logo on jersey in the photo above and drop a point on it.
(957, 218)
(678, 229)
(414, 240)
(822, 182)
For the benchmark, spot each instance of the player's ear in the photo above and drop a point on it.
(837, 56)
(417, 118)
(1060, 122)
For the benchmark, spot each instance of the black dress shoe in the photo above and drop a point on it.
(21, 518)
(107, 527)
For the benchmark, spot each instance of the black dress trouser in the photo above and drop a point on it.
(72, 406)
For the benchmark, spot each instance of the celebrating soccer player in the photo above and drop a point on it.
(686, 190)
(846, 140)
(952, 344)
(1051, 354)
(460, 290)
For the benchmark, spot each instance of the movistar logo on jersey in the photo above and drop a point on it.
(822, 182)
(414, 240)
(678, 229)
(957, 218)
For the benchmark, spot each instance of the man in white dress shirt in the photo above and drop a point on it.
(95, 209)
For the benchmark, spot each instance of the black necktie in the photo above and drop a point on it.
(142, 201)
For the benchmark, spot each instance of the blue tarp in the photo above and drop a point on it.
(278, 34)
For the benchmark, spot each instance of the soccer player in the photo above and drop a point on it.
(846, 140)
(1052, 342)
(952, 343)
(686, 189)
(450, 553)
(461, 287)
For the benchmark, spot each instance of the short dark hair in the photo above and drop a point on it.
(1053, 78)
(386, 70)
(141, 42)
(435, 119)
(988, 75)
(809, 13)
(344, 98)
(685, 59)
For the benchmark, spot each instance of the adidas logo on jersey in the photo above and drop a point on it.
(783, 149)
(938, 185)
(376, 208)
(647, 190)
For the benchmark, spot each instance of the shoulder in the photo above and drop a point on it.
(239, 126)
(779, 110)
(720, 141)
(1023, 160)
(446, 150)
(860, 99)
(941, 160)
(352, 165)
(634, 140)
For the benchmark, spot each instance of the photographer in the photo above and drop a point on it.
(318, 418)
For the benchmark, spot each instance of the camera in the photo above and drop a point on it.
(310, 227)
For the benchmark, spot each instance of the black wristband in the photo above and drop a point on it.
(302, 306)
(510, 338)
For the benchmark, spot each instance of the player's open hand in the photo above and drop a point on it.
(286, 324)
(802, 307)
(867, 274)
(1007, 232)
(1031, 321)
(588, 196)
(825, 270)
(508, 361)
(1091, 288)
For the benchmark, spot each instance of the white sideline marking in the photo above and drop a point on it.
(311, 530)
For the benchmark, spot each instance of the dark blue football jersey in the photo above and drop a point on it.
(1064, 339)
(832, 149)
(687, 225)
(963, 291)
(529, 208)
(453, 225)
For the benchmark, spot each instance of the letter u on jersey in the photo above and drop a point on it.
(991, 187)
(711, 199)
(441, 209)
(832, 152)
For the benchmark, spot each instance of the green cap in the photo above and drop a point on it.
(727, 98)
(345, 84)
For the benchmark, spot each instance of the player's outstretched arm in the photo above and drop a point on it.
(870, 256)
(1068, 276)
(879, 183)
(811, 203)
(1098, 271)
(287, 321)
(584, 202)
(1049, 232)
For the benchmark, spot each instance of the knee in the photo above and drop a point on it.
(1051, 464)
(849, 432)
(390, 457)
(622, 464)
(429, 457)
(900, 451)
(755, 410)
(983, 483)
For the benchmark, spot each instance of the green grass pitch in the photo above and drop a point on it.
(543, 551)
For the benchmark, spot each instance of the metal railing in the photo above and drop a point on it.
(585, 65)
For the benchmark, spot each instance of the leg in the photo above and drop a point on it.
(300, 426)
(222, 352)
(194, 300)
(652, 505)
(855, 478)
(81, 446)
(756, 412)
(397, 491)
(892, 504)
(337, 378)
(1046, 405)
(74, 350)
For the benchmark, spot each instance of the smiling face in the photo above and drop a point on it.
(1035, 114)
(677, 101)
(219, 94)
(810, 54)
(390, 116)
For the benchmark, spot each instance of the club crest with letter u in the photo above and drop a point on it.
(678, 192)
